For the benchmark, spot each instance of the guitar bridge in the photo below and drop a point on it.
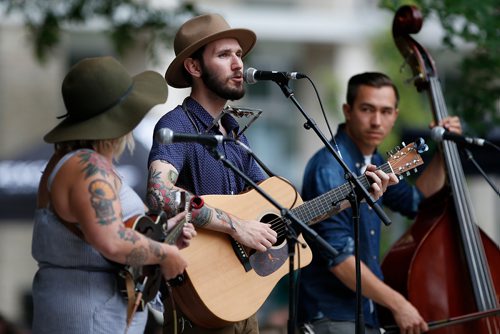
(241, 254)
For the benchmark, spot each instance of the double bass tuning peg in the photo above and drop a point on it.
(405, 62)
(414, 78)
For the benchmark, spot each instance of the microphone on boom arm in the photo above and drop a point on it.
(251, 76)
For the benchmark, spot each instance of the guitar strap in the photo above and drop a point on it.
(131, 295)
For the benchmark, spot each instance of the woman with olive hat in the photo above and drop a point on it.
(209, 60)
(79, 235)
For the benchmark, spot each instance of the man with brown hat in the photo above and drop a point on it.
(209, 60)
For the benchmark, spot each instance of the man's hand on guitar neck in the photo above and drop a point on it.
(380, 181)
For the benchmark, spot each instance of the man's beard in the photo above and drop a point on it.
(219, 87)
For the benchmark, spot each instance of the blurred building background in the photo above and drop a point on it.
(327, 40)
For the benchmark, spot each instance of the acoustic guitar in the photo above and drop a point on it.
(225, 282)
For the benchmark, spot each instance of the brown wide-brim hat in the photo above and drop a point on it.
(198, 32)
(104, 102)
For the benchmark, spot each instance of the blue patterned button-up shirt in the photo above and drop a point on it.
(199, 171)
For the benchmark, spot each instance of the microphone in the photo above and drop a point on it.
(439, 134)
(166, 136)
(252, 75)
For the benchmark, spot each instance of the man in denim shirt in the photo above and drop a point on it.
(327, 300)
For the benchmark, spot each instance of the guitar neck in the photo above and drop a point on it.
(310, 211)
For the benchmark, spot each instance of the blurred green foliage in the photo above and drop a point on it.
(124, 21)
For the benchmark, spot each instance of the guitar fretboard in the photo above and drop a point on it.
(309, 211)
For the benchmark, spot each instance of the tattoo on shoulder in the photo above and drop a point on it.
(93, 163)
(102, 196)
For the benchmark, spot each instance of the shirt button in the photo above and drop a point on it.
(372, 232)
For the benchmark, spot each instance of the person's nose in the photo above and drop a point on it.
(237, 62)
(376, 118)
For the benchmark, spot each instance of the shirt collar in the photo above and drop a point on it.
(345, 142)
(228, 122)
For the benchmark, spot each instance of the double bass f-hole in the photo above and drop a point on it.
(445, 265)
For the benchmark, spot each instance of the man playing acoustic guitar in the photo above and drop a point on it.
(209, 60)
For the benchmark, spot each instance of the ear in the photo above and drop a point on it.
(193, 67)
(347, 111)
(396, 114)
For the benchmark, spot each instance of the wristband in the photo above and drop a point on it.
(196, 202)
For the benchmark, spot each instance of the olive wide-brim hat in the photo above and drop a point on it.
(104, 102)
(197, 32)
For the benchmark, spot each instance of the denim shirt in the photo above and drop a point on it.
(199, 171)
(321, 294)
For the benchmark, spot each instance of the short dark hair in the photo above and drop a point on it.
(372, 79)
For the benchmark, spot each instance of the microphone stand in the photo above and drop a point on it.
(358, 190)
(470, 157)
(291, 234)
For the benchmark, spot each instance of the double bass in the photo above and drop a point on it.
(445, 265)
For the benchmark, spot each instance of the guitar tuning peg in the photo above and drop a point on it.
(388, 153)
(408, 173)
(400, 177)
(422, 148)
(415, 170)
(403, 143)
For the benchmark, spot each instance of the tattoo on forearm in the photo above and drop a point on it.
(202, 217)
(156, 249)
(224, 217)
(94, 164)
(159, 195)
(137, 257)
(102, 196)
(127, 234)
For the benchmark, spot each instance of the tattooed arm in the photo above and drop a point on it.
(85, 191)
(161, 193)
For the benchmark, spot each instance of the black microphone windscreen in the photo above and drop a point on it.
(164, 136)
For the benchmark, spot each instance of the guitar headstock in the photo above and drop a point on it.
(407, 159)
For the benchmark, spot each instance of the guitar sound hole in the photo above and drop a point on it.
(277, 224)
